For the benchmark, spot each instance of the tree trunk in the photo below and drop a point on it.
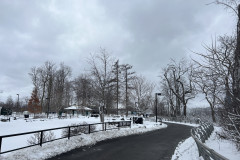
(236, 83)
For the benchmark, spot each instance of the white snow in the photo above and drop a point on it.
(21, 126)
(224, 147)
(188, 124)
(187, 150)
(60, 146)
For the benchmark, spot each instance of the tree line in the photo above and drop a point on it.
(106, 83)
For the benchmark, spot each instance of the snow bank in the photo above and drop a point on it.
(187, 124)
(224, 147)
(186, 150)
(61, 146)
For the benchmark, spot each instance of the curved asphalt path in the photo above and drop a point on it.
(155, 145)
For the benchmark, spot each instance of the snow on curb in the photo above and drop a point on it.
(64, 145)
(187, 124)
(186, 150)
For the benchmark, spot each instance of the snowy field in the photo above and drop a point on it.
(21, 126)
(187, 149)
(60, 146)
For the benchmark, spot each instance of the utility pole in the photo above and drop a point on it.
(127, 67)
(156, 94)
(117, 79)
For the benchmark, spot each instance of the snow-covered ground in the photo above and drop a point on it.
(187, 149)
(224, 147)
(60, 146)
(21, 126)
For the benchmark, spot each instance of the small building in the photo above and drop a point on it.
(148, 112)
(74, 109)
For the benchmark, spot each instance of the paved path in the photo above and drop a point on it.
(155, 145)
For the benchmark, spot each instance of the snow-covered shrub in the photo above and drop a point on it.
(36, 137)
(78, 129)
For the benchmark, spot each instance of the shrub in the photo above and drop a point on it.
(78, 129)
(35, 138)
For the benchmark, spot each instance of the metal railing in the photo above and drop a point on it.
(200, 135)
(68, 132)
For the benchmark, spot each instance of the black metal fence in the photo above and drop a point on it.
(69, 131)
(200, 135)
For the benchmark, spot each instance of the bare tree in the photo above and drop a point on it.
(50, 83)
(101, 73)
(207, 83)
(142, 92)
(40, 77)
(179, 80)
(223, 61)
(61, 78)
(84, 90)
(217, 68)
(168, 97)
(9, 103)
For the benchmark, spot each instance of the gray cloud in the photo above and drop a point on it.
(139, 32)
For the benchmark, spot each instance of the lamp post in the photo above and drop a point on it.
(18, 101)
(48, 106)
(156, 94)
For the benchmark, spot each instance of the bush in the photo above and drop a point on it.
(78, 129)
(35, 139)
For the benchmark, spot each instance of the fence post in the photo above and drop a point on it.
(0, 143)
(41, 138)
(69, 132)
(89, 128)
(105, 126)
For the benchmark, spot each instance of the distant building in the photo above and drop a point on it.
(74, 109)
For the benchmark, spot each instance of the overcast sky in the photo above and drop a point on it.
(143, 33)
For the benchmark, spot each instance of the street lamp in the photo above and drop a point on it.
(48, 106)
(18, 101)
(156, 94)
